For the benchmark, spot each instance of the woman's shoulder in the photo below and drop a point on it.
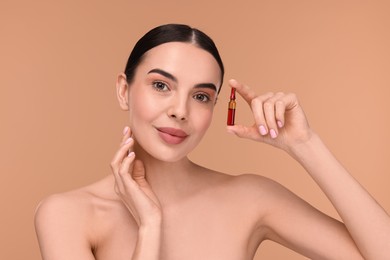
(75, 209)
(64, 203)
(64, 207)
(253, 190)
(79, 220)
(250, 195)
(245, 186)
(66, 214)
(81, 200)
(247, 183)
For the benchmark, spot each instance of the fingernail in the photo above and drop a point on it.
(273, 133)
(125, 130)
(128, 140)
(280, 124)
(233, 81)
(262, 130)
(131, 154)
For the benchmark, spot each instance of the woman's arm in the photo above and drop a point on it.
(61, 224)
(280, 121)
(367, 222)
(136, 193)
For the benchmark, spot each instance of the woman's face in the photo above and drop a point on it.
(171, 99)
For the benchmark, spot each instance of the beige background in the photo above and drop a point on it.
(60, 122)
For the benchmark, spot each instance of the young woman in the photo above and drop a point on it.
(158, 204)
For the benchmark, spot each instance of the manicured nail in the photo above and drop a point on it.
(125, 130)
(128, 140)
(280, 124)
(131, 154)
(273, 133)
(262, 130)
(233, 81)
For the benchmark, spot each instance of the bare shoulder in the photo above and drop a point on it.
(250, 190)
(62, 226)
(68, 210)
(262, 189)
(252, 197)
(76, 219)
(259, 190)
(252, 185)
(63, 205)
(78, 208)
(257, 195)
(252, 181)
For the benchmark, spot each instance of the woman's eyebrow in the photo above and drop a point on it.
(164, 73)
(173, 78)
(206, 85)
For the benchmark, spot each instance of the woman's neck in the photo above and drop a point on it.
(169, 180)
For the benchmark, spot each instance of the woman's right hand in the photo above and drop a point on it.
(132, 186)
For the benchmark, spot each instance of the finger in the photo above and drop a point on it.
(126, 185)
(270, 113)
(118, 169)
(138, 172)
(280, 109)
(258, 112)
(245, 131)
(246, 92)
(139, 176)
(126, 134)
(284, 104)
(125, 169)
(120, 155)
(119, 186)
(290, 101)
(132, 173)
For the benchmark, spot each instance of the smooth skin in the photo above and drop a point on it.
(158, 205)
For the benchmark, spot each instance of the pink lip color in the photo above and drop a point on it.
(171, 135)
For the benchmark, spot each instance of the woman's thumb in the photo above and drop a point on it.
(244, 131)
(138, 173)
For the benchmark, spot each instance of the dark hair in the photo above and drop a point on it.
(170, 33)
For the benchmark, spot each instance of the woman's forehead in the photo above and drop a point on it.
(183, 59)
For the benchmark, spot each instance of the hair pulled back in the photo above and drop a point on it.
(170, 33)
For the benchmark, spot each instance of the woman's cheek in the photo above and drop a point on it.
(204, 120)
(143, 108)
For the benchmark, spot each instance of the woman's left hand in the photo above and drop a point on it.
(279, 118)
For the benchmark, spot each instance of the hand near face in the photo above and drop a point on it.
(131, 185)
(279, 118)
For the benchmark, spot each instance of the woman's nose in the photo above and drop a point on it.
(178, 109)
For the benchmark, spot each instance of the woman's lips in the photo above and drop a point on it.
(172, 135)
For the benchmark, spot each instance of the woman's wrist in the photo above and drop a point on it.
(149, 241)
(151, 223)
(153, 230)
(304, 145)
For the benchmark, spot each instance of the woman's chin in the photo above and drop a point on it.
(169, 158)
(165, 152)
(163, 155)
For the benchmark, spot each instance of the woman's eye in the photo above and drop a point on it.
(202, 97)
(160, 86)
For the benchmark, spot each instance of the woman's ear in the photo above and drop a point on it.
(122, 91)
